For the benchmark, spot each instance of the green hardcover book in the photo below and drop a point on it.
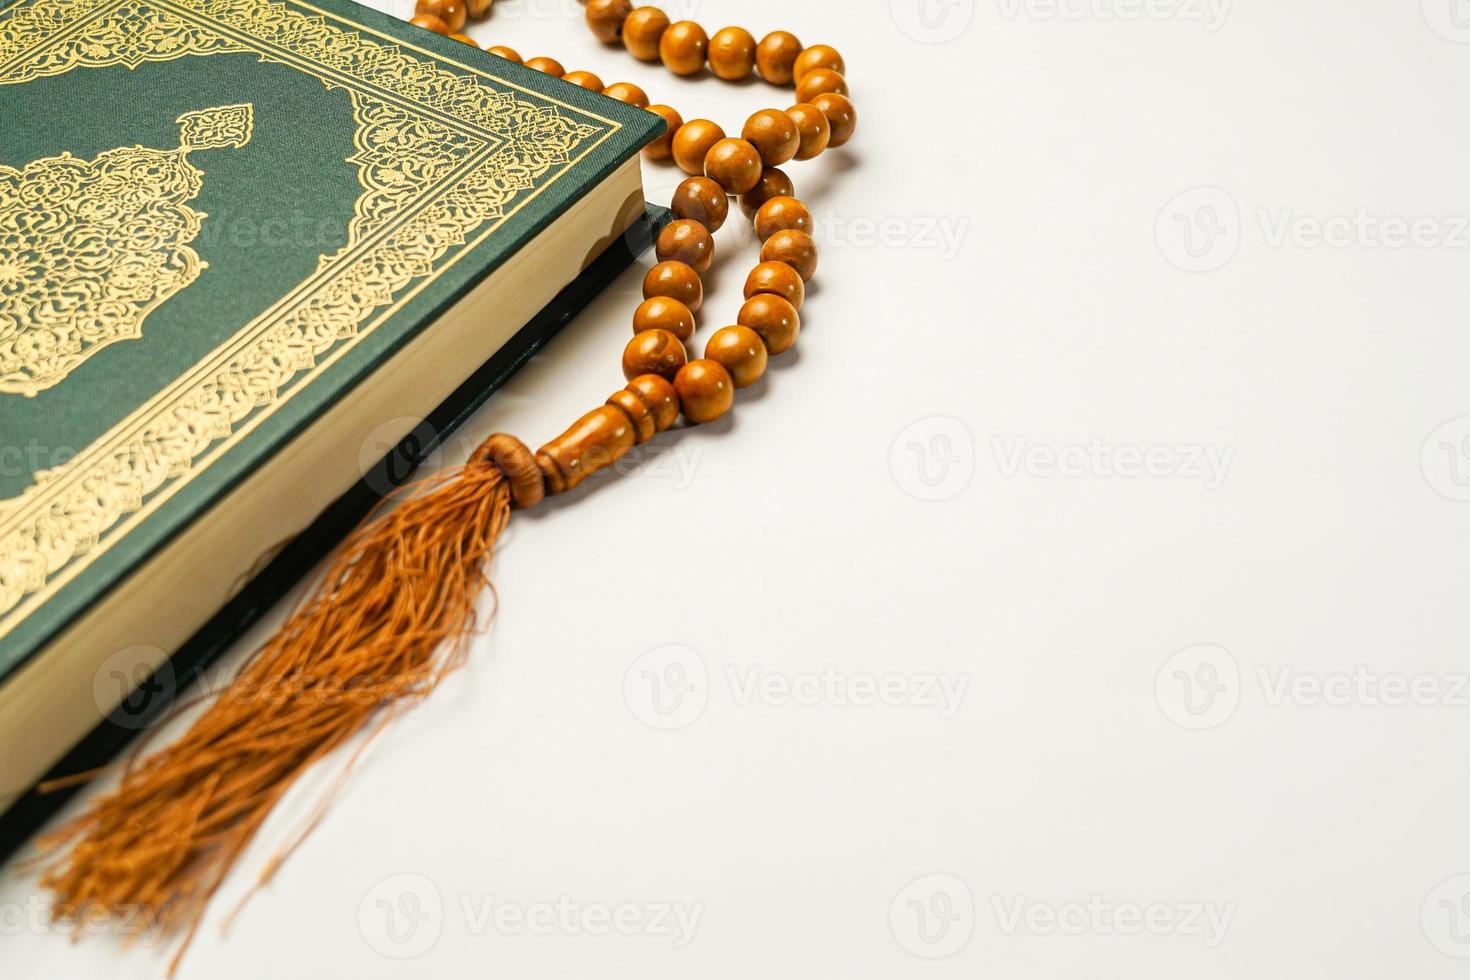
(239, 241)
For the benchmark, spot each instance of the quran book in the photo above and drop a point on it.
(240, 241)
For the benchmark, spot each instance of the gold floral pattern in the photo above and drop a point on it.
(441, 155)
(88, 248)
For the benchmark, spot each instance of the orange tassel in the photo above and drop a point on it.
(387, 622)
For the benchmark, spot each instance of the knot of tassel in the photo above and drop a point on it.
(388, 620)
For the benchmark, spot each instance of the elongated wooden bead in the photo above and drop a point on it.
(661, 398)
(598, 439)
(638, 413)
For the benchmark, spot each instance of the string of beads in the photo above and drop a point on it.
(663, 382)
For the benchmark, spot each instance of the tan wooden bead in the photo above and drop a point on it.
(701, 199)
(627, 92)
(547, 66)
(818, 56)
(782, 214)
(676, 281)
(663, 147)
(733, 164)
(840, 113)
(682, 48)
(518, 463)
(464, 39)
(606, 18)
(820, 82)
(773, 134)
(732, 53)
(451, 12)
(688, 242)
(773, 183)
(642, 31)
(775, 57)
(741, 351)
(430, 23)
(509, 54)
(692, 144)
(654, 352)
(705, 389)
(584, 79)
(812, 127)
(478, 9)
(776, 279)
(664, 313)
(773, 318)
(598, 439)
(638, 413)
(661, 397)
(796, 249)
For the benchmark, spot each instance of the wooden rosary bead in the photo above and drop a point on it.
(663, 147)
(509, 54)
(606, 18)
(547, 66)
(661, 398)
(701, 199)
(774, 136)
(518, 463)
(773, 318)
(451, 12)
(676, 281)
(782, 214)
(663, 313)
(629, 93)
(740, 351)
(638, 413)
(692, 144)
(813, 129)
(818, 56)
(773, 183)
(705, 391)
(820, 82)
(776, 279)
(584, 79)
(775, 57)
(598, 439)
(688, 242)
(654, 352)
(642, 31)
(478, 9)
(796, 249)
(464, 39)
(683, 47)
(732, 53)
(840, 113)
(733, 164)
(430, 23)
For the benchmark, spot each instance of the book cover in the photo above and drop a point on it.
(216, 218)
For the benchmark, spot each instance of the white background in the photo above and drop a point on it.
(1068, 240)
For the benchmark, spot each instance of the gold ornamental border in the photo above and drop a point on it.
(444, 157)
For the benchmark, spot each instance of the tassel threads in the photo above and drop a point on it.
(385, 625)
